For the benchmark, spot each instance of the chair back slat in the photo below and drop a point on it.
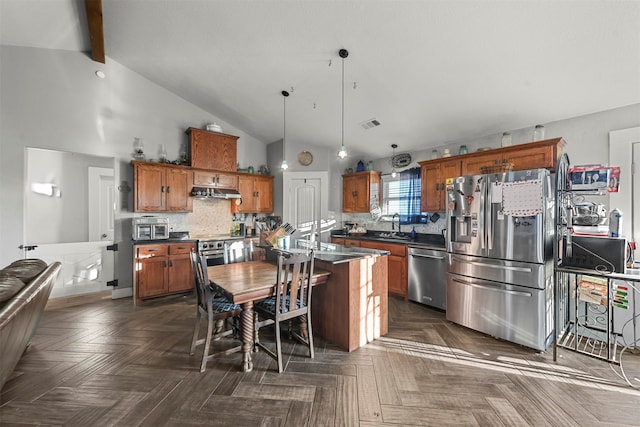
(203, 292)
(293, 291)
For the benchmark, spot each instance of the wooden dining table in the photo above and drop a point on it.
(247, 282)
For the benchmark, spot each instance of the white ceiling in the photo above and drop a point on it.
(429, 71)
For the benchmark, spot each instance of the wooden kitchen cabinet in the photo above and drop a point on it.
(472, 165)
(345, 241)
(533, 155)
(257, 194)
(213, 150)
(359, 191)
(433, 177)
(397, 280)
(162, 269)
(213, 179)
(162, 188)
(543, 155)
(397, 264)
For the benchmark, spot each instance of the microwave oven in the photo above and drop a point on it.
(150, 228)
(604, 254)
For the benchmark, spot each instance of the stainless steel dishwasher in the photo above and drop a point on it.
(428, 276)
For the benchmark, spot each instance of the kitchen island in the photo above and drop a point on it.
(351, 309)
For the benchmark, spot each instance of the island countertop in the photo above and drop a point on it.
(334, 253)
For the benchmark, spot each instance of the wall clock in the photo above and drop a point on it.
(305, 158)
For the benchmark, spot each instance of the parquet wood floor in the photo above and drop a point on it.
(110, 363)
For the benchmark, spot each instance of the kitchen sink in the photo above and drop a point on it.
(393, 236)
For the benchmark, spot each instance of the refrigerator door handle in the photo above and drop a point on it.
(493, 288)
(482, 212)
(489, 213)
(498, 267)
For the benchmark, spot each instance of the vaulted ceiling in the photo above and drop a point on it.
(429, 71)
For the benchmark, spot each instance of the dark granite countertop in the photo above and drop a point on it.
(334, 253)
(435, 241)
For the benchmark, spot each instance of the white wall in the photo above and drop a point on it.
(52, 99)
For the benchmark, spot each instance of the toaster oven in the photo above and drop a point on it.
(150, 228)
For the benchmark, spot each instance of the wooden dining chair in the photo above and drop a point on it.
(292, 300)
(217, 309)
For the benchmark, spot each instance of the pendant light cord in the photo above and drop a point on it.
(342, 102)
(285, 94)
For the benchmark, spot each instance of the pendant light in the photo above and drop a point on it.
(285, 94)
(343, 150)
(393, 165)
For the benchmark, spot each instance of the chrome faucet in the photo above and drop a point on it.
(392, 218)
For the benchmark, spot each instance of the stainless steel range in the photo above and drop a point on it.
(212, 248)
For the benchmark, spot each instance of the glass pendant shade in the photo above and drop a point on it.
(284, 166)
(343, 152)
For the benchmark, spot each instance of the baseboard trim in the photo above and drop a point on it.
(70, 301)
(122, 293)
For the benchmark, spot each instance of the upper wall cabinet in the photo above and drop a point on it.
(162, 188)
(433, 175)
(534, 155)
(212, 179)
(257, 194)
(213, 150)
(359, 191)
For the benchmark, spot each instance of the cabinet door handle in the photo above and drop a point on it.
(164, 263)
(168, 189)
(162, 189)
(170, 263)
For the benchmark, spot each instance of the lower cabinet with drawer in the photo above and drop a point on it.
(397, 261)
(161, 269)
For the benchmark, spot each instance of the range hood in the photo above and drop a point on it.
(225, 193)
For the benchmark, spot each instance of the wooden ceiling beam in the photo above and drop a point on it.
(96, 32)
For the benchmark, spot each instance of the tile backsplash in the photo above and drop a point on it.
(209, 216)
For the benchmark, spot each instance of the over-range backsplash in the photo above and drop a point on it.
(209, 217)
(365, 220)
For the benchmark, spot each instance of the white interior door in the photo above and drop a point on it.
(624, 151)
(635, 191)
(102, 204)
(306, 204)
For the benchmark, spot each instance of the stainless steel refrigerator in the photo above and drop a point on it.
(500, 234)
